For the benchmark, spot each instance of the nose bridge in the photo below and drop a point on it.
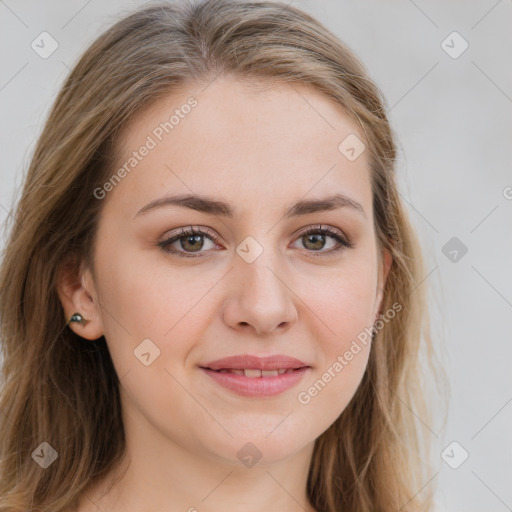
(259, 295)
(259, 277)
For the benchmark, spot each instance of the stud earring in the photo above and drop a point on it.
(78, 318)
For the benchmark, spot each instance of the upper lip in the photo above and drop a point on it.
(246, 361)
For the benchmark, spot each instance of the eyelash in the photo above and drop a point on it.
(344, 242)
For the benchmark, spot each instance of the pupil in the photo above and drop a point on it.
(195, 243)
(318, 239)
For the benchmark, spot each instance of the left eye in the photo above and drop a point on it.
(315, 237)
(190, 241)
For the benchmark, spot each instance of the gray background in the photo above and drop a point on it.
(453, 118)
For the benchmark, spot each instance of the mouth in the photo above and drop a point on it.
(279, 363)
(256, 383)
(256, 376)
(254, 373)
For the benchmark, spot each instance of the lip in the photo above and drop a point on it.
(256, 387)
(244, 361)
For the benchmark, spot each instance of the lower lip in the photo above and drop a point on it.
(257, 386)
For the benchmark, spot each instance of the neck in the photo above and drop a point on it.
(158, 475)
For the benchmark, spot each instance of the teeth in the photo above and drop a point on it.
(236, 372)
(253, 373)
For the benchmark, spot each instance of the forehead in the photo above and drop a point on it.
(246, 138)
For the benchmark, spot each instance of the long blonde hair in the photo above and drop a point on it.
(57, 388)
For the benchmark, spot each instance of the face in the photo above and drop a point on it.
(248, 280)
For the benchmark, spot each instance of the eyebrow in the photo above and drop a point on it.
(212, 207)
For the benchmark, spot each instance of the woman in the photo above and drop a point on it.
(210, 291)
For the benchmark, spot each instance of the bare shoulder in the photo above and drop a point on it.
(95, 497)
(76, 508)
(84, 505)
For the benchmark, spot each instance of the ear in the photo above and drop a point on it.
(385, 261)
(77, 294)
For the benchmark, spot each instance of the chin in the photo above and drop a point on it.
(259, 448)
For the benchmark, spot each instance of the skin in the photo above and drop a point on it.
(259, 149)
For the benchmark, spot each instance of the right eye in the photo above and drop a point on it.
(189, 240)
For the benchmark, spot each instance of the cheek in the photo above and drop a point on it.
(142, 302)
(327, 395)
(343, 339)
(343, 300)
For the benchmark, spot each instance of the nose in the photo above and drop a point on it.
(259, 298)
